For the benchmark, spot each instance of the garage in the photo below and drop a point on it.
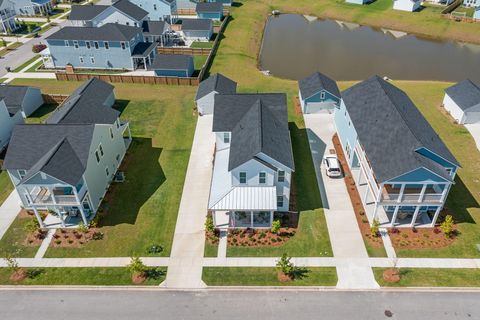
(462, 102)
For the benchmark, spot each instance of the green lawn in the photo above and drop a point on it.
(14, 240)
(10, 48)
(264, 276)
(26, 63)
(201, 44)
(427, 277)
(211, 250)
(199, 61)
(81, 276)
(6, 186)
(143, 210)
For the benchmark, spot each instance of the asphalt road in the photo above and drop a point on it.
(231, 305)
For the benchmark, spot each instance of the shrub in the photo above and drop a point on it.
(447, 226)
(404, 235)
(97, 236)
(12, 263)
(32, 226)
(209, 226)
(374, 228)
(58, 241)
(426, 235)
(285, 265)
(82, 227)
(33, 273)
(275, 226)
(436, 230)
(70, 241)
(262, 234)
(364, 220)
(95, 221)
(154, 248)
(137, 266)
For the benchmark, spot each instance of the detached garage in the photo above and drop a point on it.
(318, 93)
(173, 65)
(462, 101)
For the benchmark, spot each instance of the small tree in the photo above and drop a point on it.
(12, 263)
(32, 226)
(137, 266)
(209, 226)
(447, 226)
(285, 266)
(82, 227)
(374, 228)
(275, 226)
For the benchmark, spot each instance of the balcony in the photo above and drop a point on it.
(392, 194)
(55, 196)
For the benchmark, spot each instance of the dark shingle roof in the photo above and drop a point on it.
(172, 62)
(218, 83)
(130, 9)
(258, 123)
(143, 49)
(209, 7)
(466, 94)
(390, 128)
(107, 32)
(84, 105)
(87, 12)
(13, 96)
(316, 83)
(155, 28)
(197, 24)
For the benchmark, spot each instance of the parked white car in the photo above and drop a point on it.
(332, 166)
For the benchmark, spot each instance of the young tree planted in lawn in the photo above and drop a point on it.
(138, 270)
(285, 268)
(18, 274)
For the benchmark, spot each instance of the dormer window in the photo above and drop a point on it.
(262, 178)
(226, 137)
(243, 177)
(96, 44)
(22, 173)
(281, 176)
(122, 44)
(75, 44)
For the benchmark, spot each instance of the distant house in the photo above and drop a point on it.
(156, 31)
(64, 168)
(476, 14)
(407, 5)
(254, 163)
(318, 92)
(462, 101)
(122, 12)
(471, 3)
(186, 4)
(159, 9)
(173, 65)
(21, 98)
(111, 46)
(224, 2)
(445, 2)
(197, 29)
(402, 168)
(358, 1)
(8, 119)
(34, 7)
(209, 88)
(7, 16)
(209, 10)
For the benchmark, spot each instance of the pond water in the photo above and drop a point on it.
(294, 47)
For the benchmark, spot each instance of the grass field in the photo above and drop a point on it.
(416, 277)
(14, 240)
(6, 186)
(252, 276)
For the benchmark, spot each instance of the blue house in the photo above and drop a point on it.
(173, 65)
(111, 46)
(318, 92)
(33, 7)
(159, 9)
(197, 29)
(224, 2)
(209, 10)
(403, 171)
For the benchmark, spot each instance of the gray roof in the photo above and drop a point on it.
(466, 94)
(391, 129)
(130, 9)
(87, 12)
(57, 150)
(209, 7)
(317, 82)
(155, 28)
(216, 83)
(197, 24)
(107, 32)
(172, 61)
(13, 96)
(258, 123)
(143, 49)
(84, 105)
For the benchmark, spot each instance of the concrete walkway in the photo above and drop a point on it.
(45, 243)
(222, 244)
(186, 259)
(343, 229)
(387, 243)
(9, 211)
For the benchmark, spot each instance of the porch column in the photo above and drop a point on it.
(375, 212)
(445, 192)
(394, 217)
(379, 195)
(251, 219)
(271, 218)
(62, 221)
(365, 197)
(360, 176)
(415, 215)
(402, 191)
(129, 132)
(52, 195)
(82, 213)
(145, 63)
(39, 219)
(422, 193)
(435, 217)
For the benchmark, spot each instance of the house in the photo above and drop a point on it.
(111, 46)
(21, 98)
(64, 167)
(462, 101)
(34, 7)
(358, 1)
(224, 2)
(209, 88)
(7, 16)
(157, 31)
(173, 65)
(159, 9)
(186, 4)
(253, 160)
(403, 171)
(8, 119)
(318, 92)
(476, 14)
(122, 12)
(209, 10)
(407, 5)
(197, 29)
(471, 3)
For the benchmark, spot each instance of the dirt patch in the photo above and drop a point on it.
(259, 237)
(72, 238)
(282, 277)
(18, 275)
(391, 275)
(139, 277)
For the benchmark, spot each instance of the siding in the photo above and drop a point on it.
(420, 175)
(33, 100)
(163, 10)
(205, 104)
(315, 103)
(112, 15)
(198, 35)
(210, 15)
(6, 124)
(346, 131)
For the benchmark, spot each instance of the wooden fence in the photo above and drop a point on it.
(54, 98)
(174, 81)
(182, 50)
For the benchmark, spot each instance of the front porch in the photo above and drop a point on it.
(242, 219)
(143, 54)
(127, 134)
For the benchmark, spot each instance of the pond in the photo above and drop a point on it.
(295, 46)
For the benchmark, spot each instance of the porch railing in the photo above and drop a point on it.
(394, 197)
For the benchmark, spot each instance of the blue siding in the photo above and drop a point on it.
(427, 153)
(421, 175)
(210, 15)
(317, 97)
(346, 131)
(198, 34)
(225, 2)
(157, 9)
(172, 73)
(476, 15)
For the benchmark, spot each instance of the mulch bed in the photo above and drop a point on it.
(419, 238)
(69, 238)
(362, 220)
(391, 275)
(298, 106)
(259, 237)
(18, 276)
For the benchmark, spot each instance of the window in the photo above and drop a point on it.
(97, 156)
(96, 44)
(101, 150)
(67, 43)
(322, 95)
(88, 44)
(262, 177)
(243, 177)
(75, 44)
(111, 133)
(226, 137)
(279, 201)
(92, 60)
(81, 59)
(22, 173)
(122, 44)
(155, 7)
(127, 23)
(135, 24)
(106, 45)
(118, 158)
(281, 176)
(107, 171)
(348, 150)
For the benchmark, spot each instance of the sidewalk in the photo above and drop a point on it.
(9, 211)
(342, 225)
(186, 259)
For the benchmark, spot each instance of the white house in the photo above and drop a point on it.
(462, 101)
(253, 160)
(209, 88)
(7, 16)
(7, 121)
(407, 5)
(64, 167)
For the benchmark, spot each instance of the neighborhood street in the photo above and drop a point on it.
(212, 304)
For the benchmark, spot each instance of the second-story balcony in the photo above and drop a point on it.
(41, 195)
(394, 193)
